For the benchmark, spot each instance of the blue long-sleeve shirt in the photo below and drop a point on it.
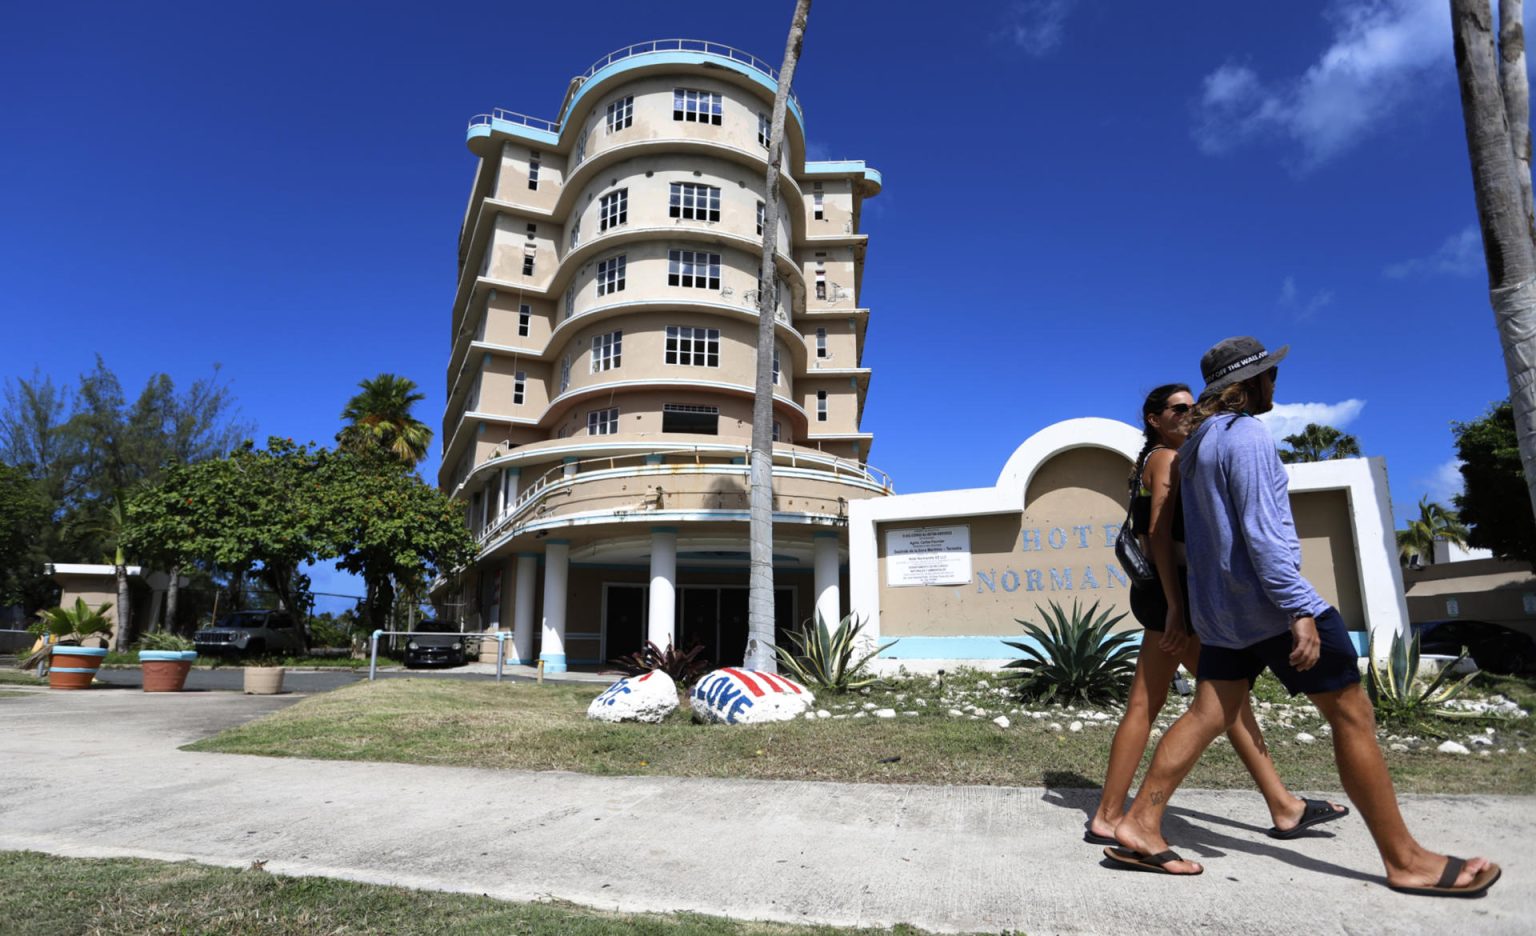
(1245, 579)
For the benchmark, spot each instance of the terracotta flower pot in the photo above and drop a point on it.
(166, 670)
(74, 667)
(263, 680)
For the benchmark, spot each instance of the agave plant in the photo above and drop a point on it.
(684, 666)
(822, 658)
(1075, 658)
(1392, 687)
(68, 626)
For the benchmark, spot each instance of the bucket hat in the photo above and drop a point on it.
(1234, 360)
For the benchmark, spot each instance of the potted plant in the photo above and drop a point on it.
(62, 633)
(263, 677)
(166, 659)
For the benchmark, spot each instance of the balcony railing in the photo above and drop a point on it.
(630, 51)
(564, 475)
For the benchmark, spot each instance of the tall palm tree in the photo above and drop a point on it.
(759, 653)
(1434, 522)
(1318, 443)
(1496, 109)
(380, 417)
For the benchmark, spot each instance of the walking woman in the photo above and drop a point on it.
(1163, 609)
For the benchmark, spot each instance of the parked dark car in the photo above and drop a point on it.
(1493, 647)
(434, 643)
(252, 633)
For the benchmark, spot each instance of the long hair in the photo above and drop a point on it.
(1155, 403)
(1236, 398)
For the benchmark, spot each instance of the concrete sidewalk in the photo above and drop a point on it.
(98, 774)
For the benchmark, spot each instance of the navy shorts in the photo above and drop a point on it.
(1337, 662)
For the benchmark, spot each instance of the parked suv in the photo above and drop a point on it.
(251, 633)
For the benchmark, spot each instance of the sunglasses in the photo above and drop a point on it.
(1179, 409)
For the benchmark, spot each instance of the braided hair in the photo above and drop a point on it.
(1155, 403)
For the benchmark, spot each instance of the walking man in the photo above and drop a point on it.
(1253, 610)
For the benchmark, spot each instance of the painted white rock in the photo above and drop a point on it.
(1075, 726)
(1305, 738)
(884, 713)
(649, 697)
(734, 696)
(1451, 747)
(1001, 721)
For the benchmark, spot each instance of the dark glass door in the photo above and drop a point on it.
(625, 624)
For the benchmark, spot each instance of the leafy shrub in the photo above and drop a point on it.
(163, 640)
(1077, 660)
(69, 626)
(324, 633)
(824, 659)
(684, 666)
(1392, 687)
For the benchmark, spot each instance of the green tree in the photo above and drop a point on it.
(1493, 496)
(1318, 443)
(1434, 522)
(387, 526)
(24, 513)
(380, 418)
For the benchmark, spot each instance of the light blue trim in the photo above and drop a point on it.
(513, 129)
(79, 651)
(162, 656)
(1362, 641)
(553, 662)
(72, 669)
(845, 167)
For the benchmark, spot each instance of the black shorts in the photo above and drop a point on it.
(1150, 606)
(1337, 663)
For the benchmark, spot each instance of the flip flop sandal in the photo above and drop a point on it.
(1154, 863)
(1316, 812)
(1446, 886)
(1093, 838)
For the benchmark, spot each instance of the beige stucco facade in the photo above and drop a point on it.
(602, 360)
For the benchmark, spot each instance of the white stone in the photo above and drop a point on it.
(1305, 738)
(911, 713)
(649, 697)
(956, 713)
(870, 706)
(1484, 753)
(1398, 747)
(735, 696)
(1054, 726)
(1480, 740)
(983, 684)
(884, 713)
(1075, 726)
(860, 714)
(810, 716)
(1451, 747)
(823, 713)
(1001, 721)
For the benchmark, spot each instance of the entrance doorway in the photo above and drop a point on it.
(712, 615)
(624, 615)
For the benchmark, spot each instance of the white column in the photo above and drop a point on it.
(521, 652)
(829, 598)
(663, 586)
(557, 561)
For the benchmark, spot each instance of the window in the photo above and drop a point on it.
(775, 432)
(533, 169)
(575, 233)
(821, 406)
(693, 268)
(764, 130)
(821, 342)
(821, 278)
(524, 320)
(613, 209)
(696, 106)
(610, 275)
(533, 230)
(694, 202)
(603, 422)
(818, 210)
(679, 417)
(696, 347)
(761, 217)
(775, 365)
(527, 264)
(519, 388)
(565, 375)
(581, 148)
(570, 302)
(606, 351)
(621, 114)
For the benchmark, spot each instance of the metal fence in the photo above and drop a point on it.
(15, 641)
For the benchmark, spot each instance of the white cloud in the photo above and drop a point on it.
(1036, 26)
(1290, 418)
(1381, 52)
(1444, 482)
(1460, 255)
(1291, 298)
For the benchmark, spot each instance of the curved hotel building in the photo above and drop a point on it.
(600, 384)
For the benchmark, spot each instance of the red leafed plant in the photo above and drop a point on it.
(684, 666)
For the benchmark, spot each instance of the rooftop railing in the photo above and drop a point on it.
(630, 51)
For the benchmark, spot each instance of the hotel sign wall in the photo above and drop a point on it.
(928, 556)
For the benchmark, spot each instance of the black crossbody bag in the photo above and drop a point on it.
(1136, 563)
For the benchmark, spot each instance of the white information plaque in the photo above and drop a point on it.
(928, 556)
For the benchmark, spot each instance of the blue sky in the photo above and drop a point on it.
(1080, 198)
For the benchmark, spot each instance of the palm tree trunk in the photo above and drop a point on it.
(759, 653)
(124, 634)
(172, 593)
(1491, 99)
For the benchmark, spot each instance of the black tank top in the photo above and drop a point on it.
(1141, 508)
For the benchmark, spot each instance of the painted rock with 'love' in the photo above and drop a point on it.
(735, 696)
